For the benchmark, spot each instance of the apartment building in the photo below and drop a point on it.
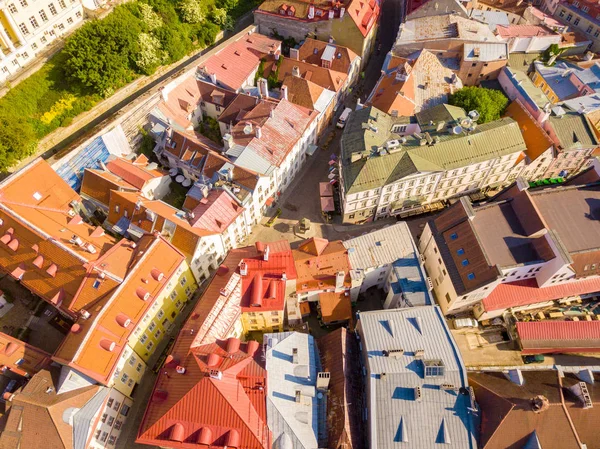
(323, 270)
(528, 38)
(92, 415)
(518, 86)
(409, 355)
(384, 172)
(466, 46)
(516, 252)
(582, 16)
(27, 27)
(352, 24)
(128, 311)
(564, 81)
(413, 84)
(388, 259)
(268, 278)
(209, 395)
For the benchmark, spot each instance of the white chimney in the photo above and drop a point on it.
(311, 11)
(339, 280)
(323, 380)
(213, 78)
(263, 87)
(330, 14)
(294, 54)
(266, 255)
(258, 132)
(342, 12)
(228, 141)
(284, 92)
(296, 71)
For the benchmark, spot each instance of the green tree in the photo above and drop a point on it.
(489, 103)
(150, 55)
(149, 17)
(101, 54)
(17, 140)
(192, 11)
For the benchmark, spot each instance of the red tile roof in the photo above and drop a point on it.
(365, 14)
(217, 212)
(523, 31)
(263, 288)
(542, 337)
(522, 293)
(335, 307)
(13, 350)
(235, 63)
(195, 409)
(317, 263)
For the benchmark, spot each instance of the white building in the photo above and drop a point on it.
(296, 395)
(27, 27)
(389, 259)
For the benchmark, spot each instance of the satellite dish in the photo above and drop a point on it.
(474, 115)
(247, 129)
(457, 130)
(466, 122)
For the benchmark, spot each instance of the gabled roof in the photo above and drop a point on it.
(302, 92)
(335, 307)
(326, 78)
(12, 350)
(573, 131)
(509, 31)
(222, 409)
(544, 337)
(312, 51)
(318, 261)
(420, 84)
(137, 172)
(233, 64)
(237, 108)
(39, 417)
(215, 212)
(95, 345)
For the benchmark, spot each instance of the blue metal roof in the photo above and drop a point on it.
(89, 157)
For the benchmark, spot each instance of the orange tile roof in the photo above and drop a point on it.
(137, 172)
(317, 263)
(536, 139)
(302, 91)
(95, 348)
(37, 416)
(233, 64)
(365, 14)
(307, 53)
(508, 31)
(335, 307)
(197, 410)
(12, 350)
(326, 78)
(97, 184)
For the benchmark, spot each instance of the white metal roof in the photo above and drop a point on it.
(328, 53)
(303, 422)
(396, 418)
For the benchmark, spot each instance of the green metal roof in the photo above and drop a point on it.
(522, 61)
(573, 131)
(366, 166)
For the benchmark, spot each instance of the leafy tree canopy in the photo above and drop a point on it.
(489, 103)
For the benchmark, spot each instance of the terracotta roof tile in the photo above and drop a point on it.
(312, 50)
(317, 263)
(335, 306)
(543, 337)
(321, 76)
(217, 213)
(12, 350)
(135, 173)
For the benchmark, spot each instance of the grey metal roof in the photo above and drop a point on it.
(573, 131)
(303, 422)
(396, 418)
(489, 51)
(249, 159)
(589, 102)
(84, 417)
(392, 245)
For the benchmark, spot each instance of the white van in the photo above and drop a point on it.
(342, 120)
(460, 323)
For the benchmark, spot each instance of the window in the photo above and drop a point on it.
(150, 346)
(124, 377)
(12, 8)
(157, 334)
(62, 27)
(152, 326)
(132, 360)
(143, 339)
(576, 4)
(460, 251)
(117, 405)
(453, 236)
(62, 4)
(471, 276)
(52, 9)
(104, 417)
(23, 3)
(188, 291)
(34, 22)
(562, 13)
(43, 40)
(433, 368)
(125, 410)
(160, 314)
(112, 440)
(111, 420)
(109, 403)
(183, 281)
(118, 425)
(173, 295)
(589, 29)
(178, 304)
(22, 361)
(596, 33)
(569, 17)
(104, 436)
(23, 29)
(139, 367)
(43, 15)
(576, 22)
(465, 262)
(78, 14)
(399, 129)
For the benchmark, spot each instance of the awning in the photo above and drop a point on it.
(311, 149)
(325, 189)
(327, 204)
(269, 201)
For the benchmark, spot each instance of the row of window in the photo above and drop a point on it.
(569, 17)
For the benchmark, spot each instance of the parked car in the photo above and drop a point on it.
(460, 323)
(538, 358)
(342, 120)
